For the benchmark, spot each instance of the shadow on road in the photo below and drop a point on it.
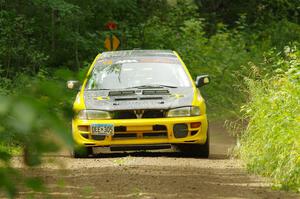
(156, 154)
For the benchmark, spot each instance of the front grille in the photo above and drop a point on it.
(130, 114)
(156, 132)
(148, 135)
(124, 136)
(123, 115)
(155, 135)
(153, 114)
(159, 128)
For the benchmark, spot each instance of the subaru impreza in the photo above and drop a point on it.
(139, 100)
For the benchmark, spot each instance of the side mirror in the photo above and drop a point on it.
(73, 84)
(202, 80)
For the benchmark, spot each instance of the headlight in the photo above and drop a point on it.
(93, 115)
(184, 112)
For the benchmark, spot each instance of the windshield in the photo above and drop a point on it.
(137, 74)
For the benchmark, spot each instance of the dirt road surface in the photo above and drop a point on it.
(150, 175)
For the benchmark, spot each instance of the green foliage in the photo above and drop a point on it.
(27, 122)
(257, 12)
(271, 143)
(18, 51)
(224, 56)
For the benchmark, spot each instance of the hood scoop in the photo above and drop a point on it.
(139, 99)
(121, 93)
(144, 92)
(156, 92)
(135, 98)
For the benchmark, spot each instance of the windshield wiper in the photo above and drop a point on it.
(152, 86)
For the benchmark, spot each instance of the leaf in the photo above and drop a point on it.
(5, 156)
(35, 183)
(4, 104)
(24, 116)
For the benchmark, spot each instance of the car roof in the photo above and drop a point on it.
(138, 53)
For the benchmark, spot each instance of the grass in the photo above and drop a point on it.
(270, 145)
(11, 149)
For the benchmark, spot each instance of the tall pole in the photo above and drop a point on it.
(111, 40)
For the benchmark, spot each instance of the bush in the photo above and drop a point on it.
(27, 125)
(271, 143)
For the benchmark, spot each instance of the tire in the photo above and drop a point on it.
(81, 152)
(196, 150)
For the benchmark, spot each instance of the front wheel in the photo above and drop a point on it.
(196, 150)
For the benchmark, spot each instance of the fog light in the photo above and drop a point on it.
(83, 128)
(180, 130)
(195, 124)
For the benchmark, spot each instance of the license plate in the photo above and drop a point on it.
(102, 129)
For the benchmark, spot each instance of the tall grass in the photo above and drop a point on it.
(271, 143)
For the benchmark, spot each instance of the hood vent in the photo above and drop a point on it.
(126, 99)
(151, 98)
(144, 92)
(156, 92)
(135, 98)
(120, 93)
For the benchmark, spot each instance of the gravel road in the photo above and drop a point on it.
(153, 175)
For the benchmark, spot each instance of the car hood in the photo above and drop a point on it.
(136, 99)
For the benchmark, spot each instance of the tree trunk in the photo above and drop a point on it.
(8, 63)
(52, 31)
(76, 48)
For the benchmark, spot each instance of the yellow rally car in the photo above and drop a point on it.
(140, 100)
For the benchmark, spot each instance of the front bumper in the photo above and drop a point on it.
(142, 131)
